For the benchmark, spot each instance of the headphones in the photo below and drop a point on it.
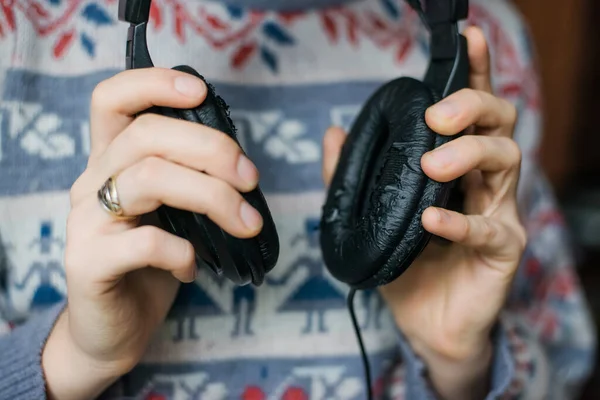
(370, 230)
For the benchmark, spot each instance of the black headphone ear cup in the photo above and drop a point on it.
(371, 227)
(240, 260)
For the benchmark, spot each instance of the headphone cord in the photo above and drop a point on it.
(350, 303)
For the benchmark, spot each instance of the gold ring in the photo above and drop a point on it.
(109, 198)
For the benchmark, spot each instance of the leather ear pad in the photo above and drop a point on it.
(371, 227)
(240, 260)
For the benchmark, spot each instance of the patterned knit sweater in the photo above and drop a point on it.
(289, 69)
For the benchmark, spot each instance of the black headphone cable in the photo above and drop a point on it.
(365, 359)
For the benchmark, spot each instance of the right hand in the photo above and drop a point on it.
(122, 278)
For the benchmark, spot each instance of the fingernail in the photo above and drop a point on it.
(190, 86)
(250, 216)
(443, 156)
(446, 108)
(247, 171)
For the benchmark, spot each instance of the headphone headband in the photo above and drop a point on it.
(444, 11)
(134, 11)
(448, 71)
(137, 14)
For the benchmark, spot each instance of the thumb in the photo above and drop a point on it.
(332, 147)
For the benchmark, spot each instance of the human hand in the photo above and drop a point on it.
(448, 301)
(122, 276)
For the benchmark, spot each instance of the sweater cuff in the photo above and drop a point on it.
(21, 375)
(418, 386)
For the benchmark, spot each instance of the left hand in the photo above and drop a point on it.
(448, 301)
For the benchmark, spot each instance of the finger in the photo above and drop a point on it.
(467, 153)
(332, 146)
(142, 247)
(472, 107)
(117, 100)
(154, 182)
(479, 60)
(484, 234)
(193, 145)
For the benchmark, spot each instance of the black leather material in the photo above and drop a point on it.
(371, 227)
(241, 260)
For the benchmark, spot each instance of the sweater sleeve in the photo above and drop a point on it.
(414, 376)
(21, 375)
(21, 344)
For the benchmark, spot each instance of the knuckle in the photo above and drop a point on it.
(80, 238)
(73, 223)
(468, 103)
(75, 192)
(144, 134)
(74, 257)
(223, 192)
(147, 243)
(149, 169)
(511, 114)
(476, 98)
(222, 199)
(513, 151)
(223, 145)
(141, 127)
(155, 75)
(477, 144)
(101, 95)
(188, 256)
(465, 92)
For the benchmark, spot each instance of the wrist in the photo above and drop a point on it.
(452, 350)
(71, 374)
(461, 372)
(475, 356)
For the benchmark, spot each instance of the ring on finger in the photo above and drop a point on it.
(109, 199)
